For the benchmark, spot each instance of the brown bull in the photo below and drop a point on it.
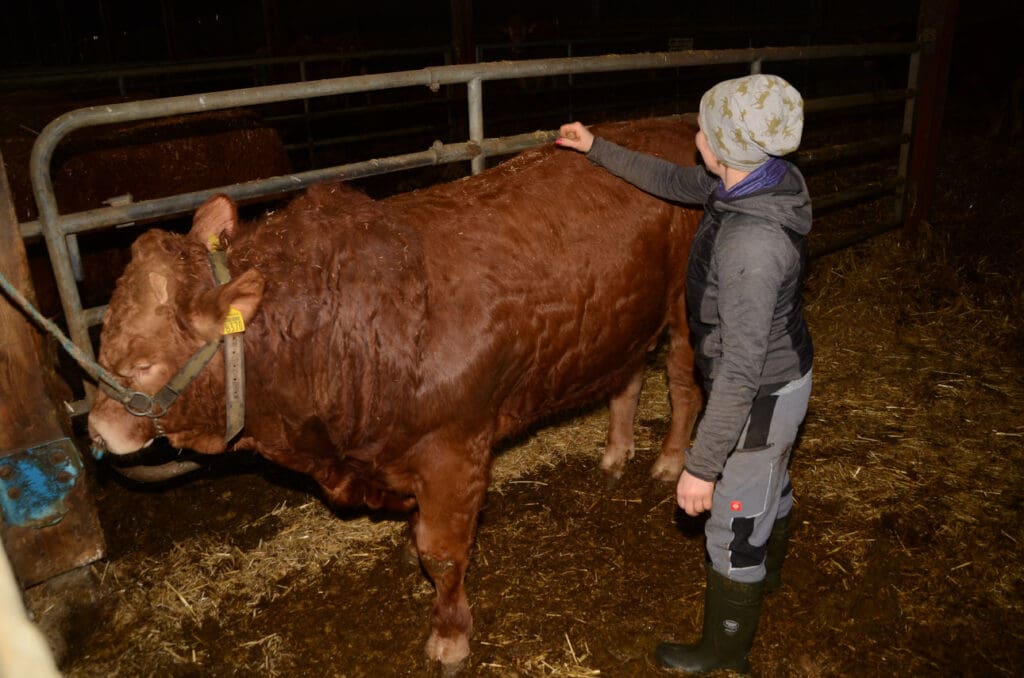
(389, 344)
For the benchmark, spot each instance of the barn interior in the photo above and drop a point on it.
(908, 470)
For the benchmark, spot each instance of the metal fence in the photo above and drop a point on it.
(295, 121)
(60, 230)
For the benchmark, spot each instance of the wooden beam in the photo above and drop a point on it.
(463, 39)
(936, 24)
(31, 419)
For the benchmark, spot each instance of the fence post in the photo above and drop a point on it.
(475, 99)
(936, 23)
(49, 523)
(463, 40)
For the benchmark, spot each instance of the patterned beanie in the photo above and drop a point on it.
(750, 118)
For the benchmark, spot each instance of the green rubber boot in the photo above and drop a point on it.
(731, 611)
(778, 545)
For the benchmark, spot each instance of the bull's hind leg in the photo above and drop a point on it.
(452, 485)
(686, 401)
(621, 411)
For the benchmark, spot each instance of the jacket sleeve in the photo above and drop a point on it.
(658, 177)
(751, 260)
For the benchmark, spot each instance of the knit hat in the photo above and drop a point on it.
(750, 118)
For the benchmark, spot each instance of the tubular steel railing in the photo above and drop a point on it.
(156, 78)
(58, 229)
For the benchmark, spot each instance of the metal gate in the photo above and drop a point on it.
(60, 230)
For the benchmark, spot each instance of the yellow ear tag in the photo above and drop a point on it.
(233, 323)
(213, 242)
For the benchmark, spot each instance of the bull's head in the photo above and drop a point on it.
(165, 307)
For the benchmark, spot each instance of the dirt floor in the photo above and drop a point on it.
(905, 558)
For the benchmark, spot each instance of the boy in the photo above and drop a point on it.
(743, 287)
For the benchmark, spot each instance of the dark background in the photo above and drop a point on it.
(94, 32)
(63, 35)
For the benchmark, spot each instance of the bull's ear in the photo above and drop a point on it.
(215, 218)
(213, 309)
(244, 293)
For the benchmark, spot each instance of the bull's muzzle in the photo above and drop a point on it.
(145, 473)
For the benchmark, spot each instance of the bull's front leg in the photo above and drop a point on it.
(685, 399)
(452, 484)
(621, 412)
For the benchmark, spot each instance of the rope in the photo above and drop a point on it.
(155, 406)
(91, 367)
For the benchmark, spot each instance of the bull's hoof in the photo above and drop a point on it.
(450, 652)
(667, 470)
(613, 471)
(613, 462)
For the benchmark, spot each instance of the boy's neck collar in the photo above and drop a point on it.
(733, 176)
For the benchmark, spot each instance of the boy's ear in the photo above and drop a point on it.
(210, 309)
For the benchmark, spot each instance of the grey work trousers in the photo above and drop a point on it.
(754, 490)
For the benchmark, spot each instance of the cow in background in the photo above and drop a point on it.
(390, 344)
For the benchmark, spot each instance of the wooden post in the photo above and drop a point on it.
(31, 419)
(936, 23)
(463, 41)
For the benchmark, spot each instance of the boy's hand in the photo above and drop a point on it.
(575, 136)
(693, 494)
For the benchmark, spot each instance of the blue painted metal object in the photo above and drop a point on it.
(35, 482)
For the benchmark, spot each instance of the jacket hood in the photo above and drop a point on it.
(787, 203)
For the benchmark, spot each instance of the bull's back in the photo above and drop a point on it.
(547, 277)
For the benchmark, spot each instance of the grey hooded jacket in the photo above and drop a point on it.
(743, 287)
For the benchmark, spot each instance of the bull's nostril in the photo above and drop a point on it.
(99, 448)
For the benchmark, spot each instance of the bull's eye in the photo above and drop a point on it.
(140, 372)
